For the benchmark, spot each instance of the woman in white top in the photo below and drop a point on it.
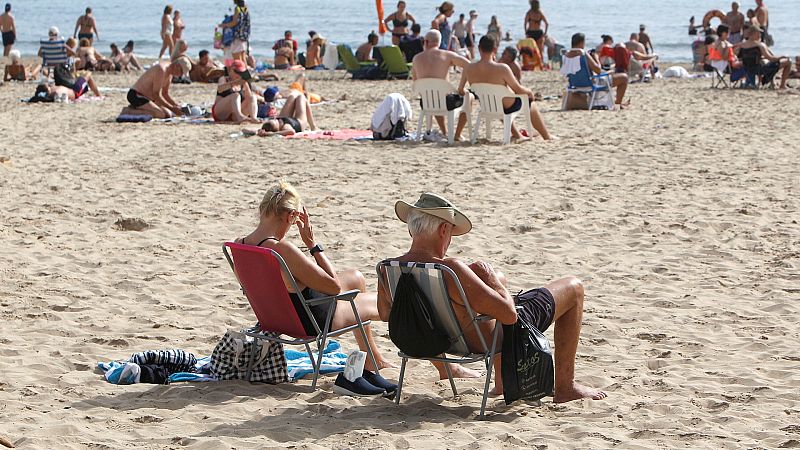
(167, 28)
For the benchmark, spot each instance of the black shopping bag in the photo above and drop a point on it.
(527, 369)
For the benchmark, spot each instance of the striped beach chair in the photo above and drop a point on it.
(54, 52)
(430, 278)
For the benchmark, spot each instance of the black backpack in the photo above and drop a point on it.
(412, 326)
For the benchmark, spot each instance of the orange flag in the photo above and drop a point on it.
(381, 26)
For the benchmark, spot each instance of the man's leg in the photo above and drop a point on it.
(620, 81)
(6, 50)
(92, 85)
(786, 65)
(538, 123)
(568, 295)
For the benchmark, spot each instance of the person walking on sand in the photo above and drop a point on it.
(241, 31)
(533, 22)
(8, 27)
(167, 29)
(86, 27)
(401, 22)
(178, 26)
(762, 15)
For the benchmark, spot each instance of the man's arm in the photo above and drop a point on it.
(384, 299)
(7, 75)
(457, 60)
(513, 84)
(525, 27)
(463, 83)
(77, 25)
(485, 292)
(546, 24)
(94, 27)
(594, 64)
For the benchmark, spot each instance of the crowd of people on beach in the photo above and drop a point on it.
(441, 51)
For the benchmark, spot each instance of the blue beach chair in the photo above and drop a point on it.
(584, 81)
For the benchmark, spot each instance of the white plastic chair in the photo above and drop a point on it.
(433, 94)
(490, 97)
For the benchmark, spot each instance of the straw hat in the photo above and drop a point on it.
(317, 36)
(438, 206)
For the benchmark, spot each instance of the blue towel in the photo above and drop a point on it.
(298, 365)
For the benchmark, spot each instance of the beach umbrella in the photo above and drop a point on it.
(381, 26)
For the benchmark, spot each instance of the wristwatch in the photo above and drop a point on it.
(316, 249)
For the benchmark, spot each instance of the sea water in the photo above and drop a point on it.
(349, 21)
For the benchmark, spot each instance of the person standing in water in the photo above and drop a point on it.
(441, 24)
(167, 28)
(8, 27)
(86, 27)
(178, 26)
(401, 22)
(533, 22)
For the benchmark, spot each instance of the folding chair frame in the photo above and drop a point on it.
(488, 352)
(322, 334)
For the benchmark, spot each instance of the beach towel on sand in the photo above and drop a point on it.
(335, 135)
(298, 365)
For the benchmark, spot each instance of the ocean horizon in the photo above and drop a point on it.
(349, 21)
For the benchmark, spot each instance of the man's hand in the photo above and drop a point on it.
(485, 272)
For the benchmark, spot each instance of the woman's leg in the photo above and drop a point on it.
(302, 112)
(226, 109)
(367, 307)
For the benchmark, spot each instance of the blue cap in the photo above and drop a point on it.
(270, 93)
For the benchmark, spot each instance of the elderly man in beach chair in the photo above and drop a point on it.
(434, 62)
(432, 223)
(576, 57)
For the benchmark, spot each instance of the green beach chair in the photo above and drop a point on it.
(394, 62)
(351, 64)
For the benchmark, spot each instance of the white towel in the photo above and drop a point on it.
(572, 65)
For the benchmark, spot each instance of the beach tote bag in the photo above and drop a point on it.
(412, 326)
(231, 356)
(527, 365)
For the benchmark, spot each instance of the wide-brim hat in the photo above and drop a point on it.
(437, 206)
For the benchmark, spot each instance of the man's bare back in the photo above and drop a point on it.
(436, 63)
(152, 82)
(6, 22)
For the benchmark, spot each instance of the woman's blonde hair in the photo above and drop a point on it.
(280, 198)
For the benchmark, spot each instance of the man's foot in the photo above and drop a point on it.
(577, 391)
(459, 371)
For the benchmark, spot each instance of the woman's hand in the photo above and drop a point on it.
(304, 227)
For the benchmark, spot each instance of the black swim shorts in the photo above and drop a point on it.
(136, 99)
(538, 307)
(9, 38)
(452, 101)
(537, 34)
(515, 107)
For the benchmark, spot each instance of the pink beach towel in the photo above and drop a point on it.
(336, 135)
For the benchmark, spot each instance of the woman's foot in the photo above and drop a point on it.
(382, 364)
(577, 391)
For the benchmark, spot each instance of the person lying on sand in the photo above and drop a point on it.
(150, 94)
(486, 70)
(432, 222)
(235, 101)
(316, 276)
(299, 85)
(91, 59)
(15, 70)
(74, 92)
(295, 117)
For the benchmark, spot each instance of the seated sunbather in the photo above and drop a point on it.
(235, 101)
(769, 63)
(74, 92)
(18, 71)
(640, 60)
(205, 70)
(150, 94)
(284, 56)
(486, 70)
(618, 80)
(316, 276)
(91, 59)
(123, 61)
(432, 222)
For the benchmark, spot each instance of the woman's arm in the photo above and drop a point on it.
(164, 22)
(320, 275)
(233, 22)
(411, 18)
(435, 22)
(388, 19)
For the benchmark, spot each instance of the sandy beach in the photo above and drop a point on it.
(680, 215)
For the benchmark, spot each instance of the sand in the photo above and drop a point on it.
(680, 215)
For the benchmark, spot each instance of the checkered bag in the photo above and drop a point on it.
(231, 356)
